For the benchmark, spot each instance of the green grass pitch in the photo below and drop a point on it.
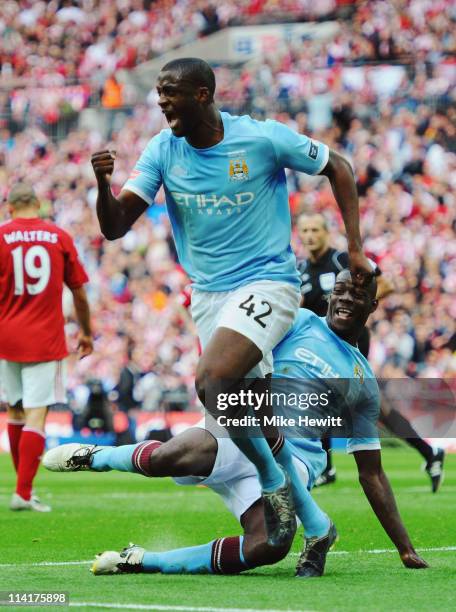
(95, 512)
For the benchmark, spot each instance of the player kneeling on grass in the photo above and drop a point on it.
(196, 456)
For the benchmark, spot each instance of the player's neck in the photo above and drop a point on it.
(209, 131)
(25, 213)
(347, 337)
(315, 256)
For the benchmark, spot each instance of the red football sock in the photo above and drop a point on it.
(31, 447)
(14, 436)
(141, 456)
(227, 557)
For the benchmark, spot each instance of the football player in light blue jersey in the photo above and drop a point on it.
(318, 273)
(197, 456)
(226, 195)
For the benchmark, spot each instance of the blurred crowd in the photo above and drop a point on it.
(70, 48)
(394, 122)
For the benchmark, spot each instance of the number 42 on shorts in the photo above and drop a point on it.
(261, 311)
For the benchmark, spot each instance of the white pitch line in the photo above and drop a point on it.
(375, 551)
(93, 604)
(46, 563)
(382, 551)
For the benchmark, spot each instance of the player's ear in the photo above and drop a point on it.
(204, 95)
(373, 307)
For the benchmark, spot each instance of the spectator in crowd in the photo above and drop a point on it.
(97, 415)
(112, 100)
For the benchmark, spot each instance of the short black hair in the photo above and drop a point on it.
(370, 286)
(194, 69)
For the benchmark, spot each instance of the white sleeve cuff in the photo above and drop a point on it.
(324, 161)
(363, 447)
(139, 192)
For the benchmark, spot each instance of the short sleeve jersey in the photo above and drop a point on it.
(312, 351)
(228, 204)
(36, 259)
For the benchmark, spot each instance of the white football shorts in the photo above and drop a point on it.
(262, 311)
(234, 477)
(36, 384)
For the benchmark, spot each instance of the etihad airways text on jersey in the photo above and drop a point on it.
(202, 200)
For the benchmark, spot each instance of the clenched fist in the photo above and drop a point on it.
(103, 166)
(360, 268)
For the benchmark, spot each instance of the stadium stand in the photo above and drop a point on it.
(381, 91)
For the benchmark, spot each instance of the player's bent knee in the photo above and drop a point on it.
(200, 386)
(206, 377)
(258, 552)
(162, 461)
(211, 379)
(170, 460)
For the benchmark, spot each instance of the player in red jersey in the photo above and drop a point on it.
(37, 258)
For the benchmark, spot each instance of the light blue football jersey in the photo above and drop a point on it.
(228, 204)
(314, 356)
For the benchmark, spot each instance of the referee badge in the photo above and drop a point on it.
(327, 281)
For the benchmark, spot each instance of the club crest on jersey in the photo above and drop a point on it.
(239, 171)
(358, 373)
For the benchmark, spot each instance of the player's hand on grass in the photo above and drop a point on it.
(412, 560)
(103, 166)
(360, 267)
(85, 345)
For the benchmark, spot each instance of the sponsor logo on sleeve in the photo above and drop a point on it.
(313, 151)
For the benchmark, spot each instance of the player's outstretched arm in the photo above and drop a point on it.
(340, 175)
(381, 498)
(81, 306)
(116, 215)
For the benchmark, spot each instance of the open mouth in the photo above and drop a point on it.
(172, 119)
(344, 313)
